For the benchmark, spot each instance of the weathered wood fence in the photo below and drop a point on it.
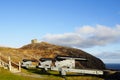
(7, 63)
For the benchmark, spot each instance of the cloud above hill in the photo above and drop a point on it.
(109, 55)
(86, 36)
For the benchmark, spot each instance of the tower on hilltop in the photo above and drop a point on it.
(34, 41)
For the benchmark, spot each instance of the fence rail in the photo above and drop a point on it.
(7, 63)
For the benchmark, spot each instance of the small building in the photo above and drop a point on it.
(34, 41)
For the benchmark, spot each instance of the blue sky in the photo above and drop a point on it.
(91, 25)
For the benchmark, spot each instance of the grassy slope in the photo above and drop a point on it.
(46, 50)
(6, 75)
(19, 54)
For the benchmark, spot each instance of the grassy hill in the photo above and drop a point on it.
(46, 50)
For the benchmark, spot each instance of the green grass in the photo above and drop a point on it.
(51, 75)
(6, 75)
(54, 75)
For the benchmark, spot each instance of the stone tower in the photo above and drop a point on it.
(34, 41)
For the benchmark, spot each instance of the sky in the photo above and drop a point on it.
(90, 25)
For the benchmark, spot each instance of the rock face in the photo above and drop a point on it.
(47, 50)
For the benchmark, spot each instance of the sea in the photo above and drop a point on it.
(114, 66)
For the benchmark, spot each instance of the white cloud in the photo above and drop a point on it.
(109, 55)
(111, 61)
(86, 36)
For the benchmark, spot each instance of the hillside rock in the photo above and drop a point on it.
(47, 50)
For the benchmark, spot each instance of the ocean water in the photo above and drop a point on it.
(114, 66)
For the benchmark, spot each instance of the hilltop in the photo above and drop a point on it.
(47, 50)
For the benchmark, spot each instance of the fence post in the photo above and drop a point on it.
(19, 66)
(9, 63)
(0, 60)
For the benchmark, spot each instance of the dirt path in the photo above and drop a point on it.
(29, 75)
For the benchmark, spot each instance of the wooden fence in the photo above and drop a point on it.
(7, 63)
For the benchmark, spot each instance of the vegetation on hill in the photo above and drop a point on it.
(46, 50)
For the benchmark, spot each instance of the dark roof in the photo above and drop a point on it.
(45, 59)
(59, 57)
(32, 60)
